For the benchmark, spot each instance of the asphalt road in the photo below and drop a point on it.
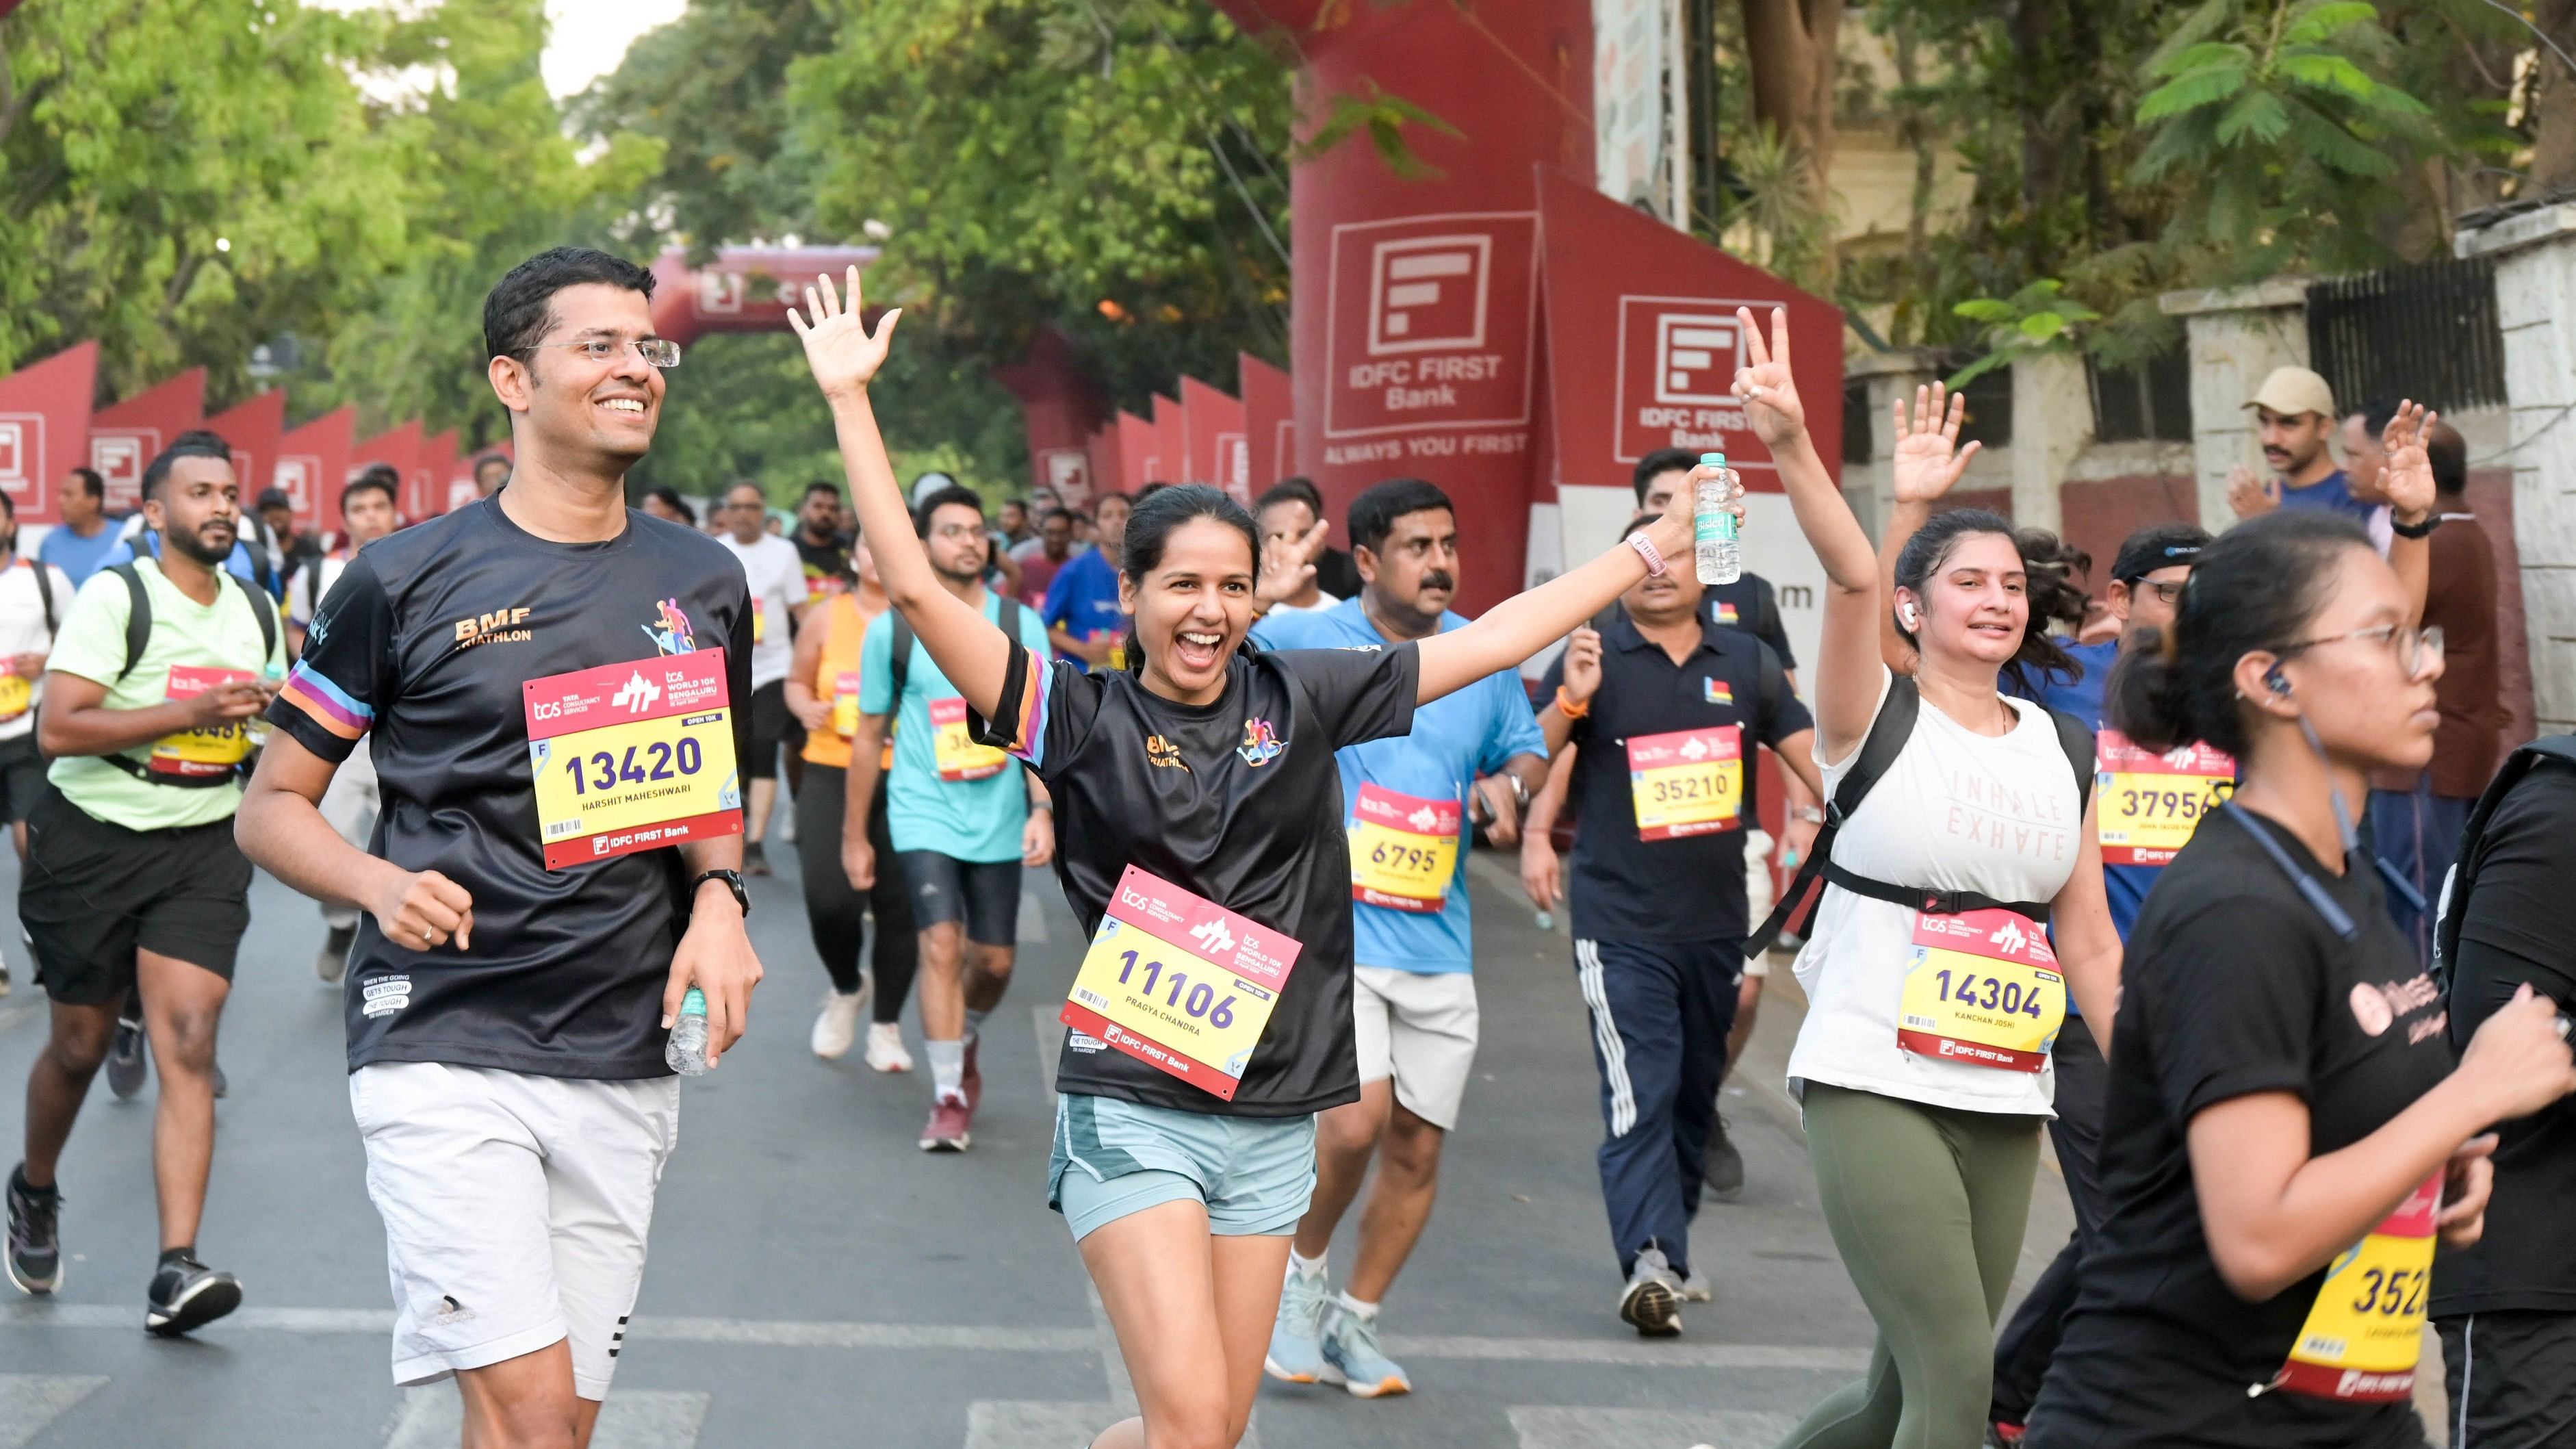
(817, 1280)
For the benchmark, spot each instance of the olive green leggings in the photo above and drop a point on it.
(1927, 1205)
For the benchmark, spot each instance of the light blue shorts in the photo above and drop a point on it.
(1112, 1158)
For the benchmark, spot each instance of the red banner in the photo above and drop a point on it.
(313, 464)
(439, 473)
(44, 429)
(744, 289)
(398, 448)
(1218, 451)
(1106, 470)
(1140, 451)
(124, 439)
(253, 429)
(1171, 460)
(1269, 422)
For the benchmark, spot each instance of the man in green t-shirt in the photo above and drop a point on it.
(133, 881)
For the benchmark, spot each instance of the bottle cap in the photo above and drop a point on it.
(694, 1004)
(1713, 459)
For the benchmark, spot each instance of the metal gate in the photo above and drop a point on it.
(2426, 332)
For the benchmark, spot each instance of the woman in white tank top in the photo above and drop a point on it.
(1922, 1067)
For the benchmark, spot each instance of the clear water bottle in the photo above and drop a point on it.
(686, 1053)
(1712, 527)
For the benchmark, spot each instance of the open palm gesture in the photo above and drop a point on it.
(1764, 385)
(838, 345)
(1928, 458)
(2407, 478)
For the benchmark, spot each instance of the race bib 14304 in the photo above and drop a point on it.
(1179, 982)
(1983, 990)
(632, 757)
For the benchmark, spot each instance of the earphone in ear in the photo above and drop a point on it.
(1905, 615)
(2279, 682)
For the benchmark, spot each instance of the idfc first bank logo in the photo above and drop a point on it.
(1677, 362)
(1431, 321)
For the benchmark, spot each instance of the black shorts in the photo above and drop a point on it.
(769, 721)
(983, 894)
(2512, 1378)
(22, 776)
(94, 893)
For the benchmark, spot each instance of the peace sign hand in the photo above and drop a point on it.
(2407, 477)
(838, 346)
(1765, 387)
(1928, 458)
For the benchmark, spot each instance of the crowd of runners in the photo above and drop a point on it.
(2203, 878)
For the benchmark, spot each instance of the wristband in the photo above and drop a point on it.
(1646, 550)
(1569, 708)
(2415, 530)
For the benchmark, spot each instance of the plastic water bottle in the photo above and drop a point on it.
(686, 1052)
(1712, 527)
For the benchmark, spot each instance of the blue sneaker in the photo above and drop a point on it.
(1352, 1359)
(1296, 1339)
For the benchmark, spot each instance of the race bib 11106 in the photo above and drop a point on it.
(1179, 982)
(630, 757)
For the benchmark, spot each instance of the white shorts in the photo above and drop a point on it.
(515, 1209)
(1419, 1028)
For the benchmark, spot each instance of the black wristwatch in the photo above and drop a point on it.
(733, 883)
(2415, 530)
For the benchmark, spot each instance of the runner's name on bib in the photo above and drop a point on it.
(630, 757)
(16, 694)
(845, 704)
(1983, 990)
(955, 752)
(1688, 782)
(2365, 1332)
(1404, 850)
(1180, 983)
(217, 749)
(2151, 803)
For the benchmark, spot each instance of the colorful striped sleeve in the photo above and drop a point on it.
(324, 703)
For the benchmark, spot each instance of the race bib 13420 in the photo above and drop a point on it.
(631, 757)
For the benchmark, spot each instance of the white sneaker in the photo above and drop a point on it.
(837, 1025)
(885, 1048)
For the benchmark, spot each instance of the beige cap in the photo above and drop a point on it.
(2290, 391)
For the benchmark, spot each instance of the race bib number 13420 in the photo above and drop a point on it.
(632, 757)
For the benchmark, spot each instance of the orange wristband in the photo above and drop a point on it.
(1569, 708)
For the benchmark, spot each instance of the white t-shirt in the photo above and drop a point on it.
(312, 584)
(22, 631)
(776, 573)
(1957, 811)
(1322, 602)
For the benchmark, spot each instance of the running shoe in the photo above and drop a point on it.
(1725, 1173)
(971, 1081)
(127, 1062)
(1296, 1338)
(1352, 1359)
(950, 1128)
(837, 1025)
(186, 1295)
(4, 978)
(755, 861)
(885, 1048)
(1696, 1288)
(35, 1257)
(1651, 1303)
(332, 960)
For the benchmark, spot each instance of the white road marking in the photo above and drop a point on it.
(1552, 1428)
(29, 1402)
(1034, 1424)
(434, 1418)
(1631, 1353)
(13, 1014)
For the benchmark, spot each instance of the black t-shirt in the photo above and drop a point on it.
(1750, 605)
(827, 564)
(2516, 928)
(1238, 801)
(2232, 985)
(422, 647)
(1689, 887)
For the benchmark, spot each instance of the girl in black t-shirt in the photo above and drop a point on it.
(1211, 769)
(2284, 1136)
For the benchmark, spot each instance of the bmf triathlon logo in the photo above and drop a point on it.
(670, 631)
(1261, 744)
(501, 626)
(1162, 754)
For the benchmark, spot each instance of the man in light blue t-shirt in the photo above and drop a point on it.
(1407, 802)
(963, 817)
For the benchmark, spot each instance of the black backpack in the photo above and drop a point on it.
(1888, 735)
(901, 662)
(2463, 877)
(138, 634)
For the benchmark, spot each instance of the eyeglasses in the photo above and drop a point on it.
(656, 351)
(2416, 650)
(2170, 591)
(953, 531)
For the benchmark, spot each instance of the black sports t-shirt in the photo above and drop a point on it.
(2233, 985)
(422, 647)
(1619, 886)
(2516, 928)
(1751, 605)
(1238, 801)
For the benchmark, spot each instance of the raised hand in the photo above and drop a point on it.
(2407, 477)
(1928, 459)
(1287, 563)
(838, 346)
(1764, 385)
(2250, 495)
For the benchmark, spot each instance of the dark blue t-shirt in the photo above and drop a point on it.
(2125, 885)
(2333, 493)
(1083, 601)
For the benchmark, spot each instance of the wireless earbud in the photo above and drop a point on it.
(1905, 614)
(2279, 682)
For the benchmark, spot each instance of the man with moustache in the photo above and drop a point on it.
(2294, 420)
(132, 878)
(1407, 803)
